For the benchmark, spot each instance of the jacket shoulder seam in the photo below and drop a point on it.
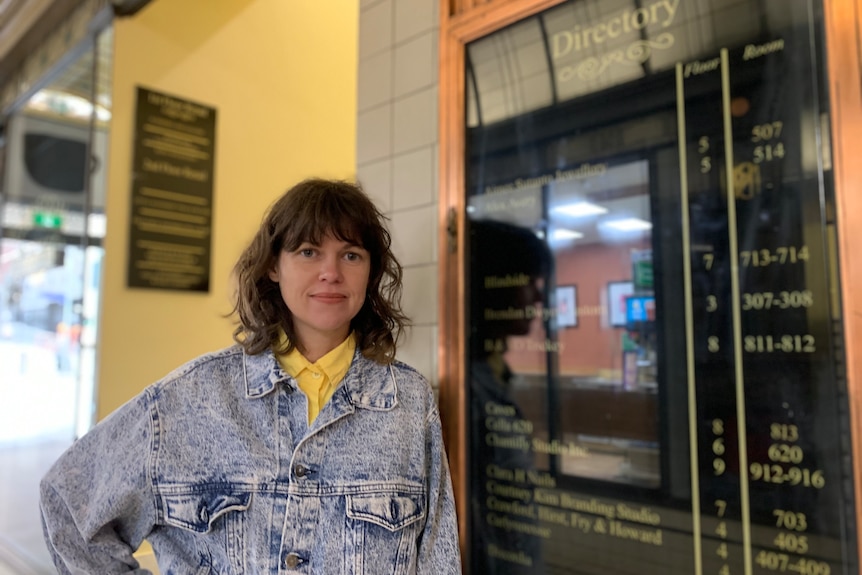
(190, 367)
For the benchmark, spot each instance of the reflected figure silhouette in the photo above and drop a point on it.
(509, 269)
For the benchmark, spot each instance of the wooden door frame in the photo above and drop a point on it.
(843, 41)
(463, 21)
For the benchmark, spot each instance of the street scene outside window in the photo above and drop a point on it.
(52, 223)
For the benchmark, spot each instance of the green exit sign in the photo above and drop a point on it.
(47, 220)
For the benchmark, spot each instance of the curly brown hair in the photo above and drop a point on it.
(308, 212)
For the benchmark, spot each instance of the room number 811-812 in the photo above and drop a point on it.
(768, 344)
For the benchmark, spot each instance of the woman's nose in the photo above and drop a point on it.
(330, 269)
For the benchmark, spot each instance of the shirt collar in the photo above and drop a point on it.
(367, 384)
(333, 365)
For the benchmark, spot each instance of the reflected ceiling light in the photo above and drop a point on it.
(67, 105)
(561, 234)
(580, 209)
(97, 224)
(628, 225)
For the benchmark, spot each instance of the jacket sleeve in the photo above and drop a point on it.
(97, 501)
(439, 551)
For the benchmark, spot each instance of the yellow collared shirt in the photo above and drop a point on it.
(319, 380)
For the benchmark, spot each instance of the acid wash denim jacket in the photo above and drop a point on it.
(217, 467)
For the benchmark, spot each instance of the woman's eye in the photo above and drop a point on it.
(307, 252)
(355, 256)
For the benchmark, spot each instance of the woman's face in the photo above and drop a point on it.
(324, 287)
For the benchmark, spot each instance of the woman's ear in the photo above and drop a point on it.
(273, 274)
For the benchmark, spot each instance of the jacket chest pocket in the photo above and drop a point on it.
(385, 528)
(216, 515)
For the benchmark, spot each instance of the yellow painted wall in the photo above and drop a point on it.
(282, 76)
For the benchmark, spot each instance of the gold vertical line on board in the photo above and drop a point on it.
(737, 318)
(689, 324)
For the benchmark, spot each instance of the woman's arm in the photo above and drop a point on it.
(439, 551)
(97, 501)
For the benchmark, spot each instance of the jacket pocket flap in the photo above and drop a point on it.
(392, 511)
(197, 510)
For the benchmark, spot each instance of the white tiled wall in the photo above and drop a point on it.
(415, 173)
(412, 71)
(397, 151)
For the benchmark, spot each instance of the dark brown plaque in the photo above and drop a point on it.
(170, 229)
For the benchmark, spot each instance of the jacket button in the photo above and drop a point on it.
(300, 471)
(292, 560)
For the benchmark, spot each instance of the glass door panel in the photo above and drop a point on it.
(655, 376)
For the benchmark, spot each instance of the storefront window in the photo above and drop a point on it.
(53, 222)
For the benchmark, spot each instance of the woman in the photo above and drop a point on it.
(304, 448)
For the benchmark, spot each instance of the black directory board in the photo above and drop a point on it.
(655, 376)
(170, 230)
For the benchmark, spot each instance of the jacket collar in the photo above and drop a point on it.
(368, 384)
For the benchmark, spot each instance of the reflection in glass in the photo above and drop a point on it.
(508, 299)
(596, 228)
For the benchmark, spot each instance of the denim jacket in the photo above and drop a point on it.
(217, 467)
